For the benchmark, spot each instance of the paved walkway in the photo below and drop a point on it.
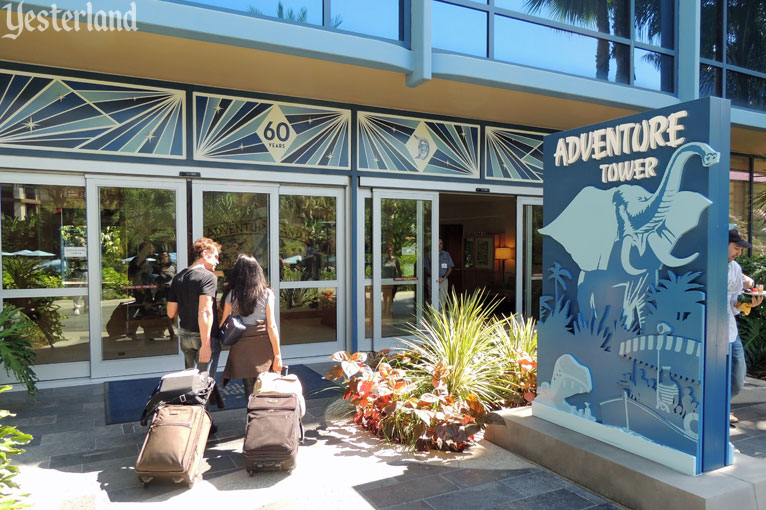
(78, 462)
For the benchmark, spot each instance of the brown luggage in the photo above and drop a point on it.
(274, 429)
(174, 444)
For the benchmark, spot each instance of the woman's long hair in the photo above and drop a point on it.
(247, 284)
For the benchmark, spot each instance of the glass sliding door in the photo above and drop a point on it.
(242, 218)
(44, 269)
(311, 302)
(137, 253)
(529, 266)
(399, 241)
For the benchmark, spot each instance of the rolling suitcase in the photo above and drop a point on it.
(174, 444)
(187, 387)
(274, 429)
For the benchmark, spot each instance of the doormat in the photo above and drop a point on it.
(124, 401)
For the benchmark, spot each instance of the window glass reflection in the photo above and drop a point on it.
(240, 223)
(459, 29)
(512, 37)
(307, 230)
(368, 238)
(653, 70)
(710, 81)
(298, 11)
(308, 315)
(711, 32)
(654, 22)
(372, 17)
(58, 334)
(746, 37)
(43, 236)
(745, 90)
(759, 206)
(138, 262)
(605, 17)
(739, 192)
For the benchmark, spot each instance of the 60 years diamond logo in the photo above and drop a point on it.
(277, 134)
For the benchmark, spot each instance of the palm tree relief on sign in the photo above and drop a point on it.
(635, 319)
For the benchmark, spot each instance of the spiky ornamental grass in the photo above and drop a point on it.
(457, 343)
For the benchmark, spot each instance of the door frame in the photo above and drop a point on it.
(523, 252)
(376, 194)
(308, 350)
(199, 186)
(48, 371)
(101, 368)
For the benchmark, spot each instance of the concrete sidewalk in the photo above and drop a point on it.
(78, 462)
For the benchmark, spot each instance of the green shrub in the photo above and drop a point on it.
(464, 362)
(10, 440)
(752, 327)
(16, 353)
(461, 339)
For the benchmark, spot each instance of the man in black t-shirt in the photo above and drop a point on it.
(191, 298)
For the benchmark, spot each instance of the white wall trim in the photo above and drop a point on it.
(462, 187)
(118, 169)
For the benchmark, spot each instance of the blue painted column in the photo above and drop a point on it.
(715, 415)
(689, 20)
(420, 23)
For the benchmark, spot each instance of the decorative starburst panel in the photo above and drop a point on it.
(406, 144)
(254, 131)
(514, 155)
(56, 113)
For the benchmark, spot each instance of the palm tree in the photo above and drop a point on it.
(558, 273)
(593, 13)
(298, 17)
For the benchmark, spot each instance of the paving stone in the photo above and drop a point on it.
(63, 437)
(114, 474)
(471, 477)
(23, 421)
(479, 497)
(39, 453)
(413, 505)
(593, 498)
(561, 499)
(414, 470)
(91, 456)
(139, 493)
(135, 438)
(754, 446)
(113, 430)
(218, 462)
(535, 483)
(407, 491)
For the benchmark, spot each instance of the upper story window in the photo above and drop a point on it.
(623, 41)
(733, 51)
(378, 18)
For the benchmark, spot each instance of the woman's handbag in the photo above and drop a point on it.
(231, 329)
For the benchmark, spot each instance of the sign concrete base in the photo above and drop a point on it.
(625, 478)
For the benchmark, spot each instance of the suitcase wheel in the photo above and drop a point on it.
(145, 480)
(250, 472)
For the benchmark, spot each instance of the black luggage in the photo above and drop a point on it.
(174, 445)
(187, 387)
(274, 430)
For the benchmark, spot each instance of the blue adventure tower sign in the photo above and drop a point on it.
(632, 331)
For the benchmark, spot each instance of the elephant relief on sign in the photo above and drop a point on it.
(630, 227)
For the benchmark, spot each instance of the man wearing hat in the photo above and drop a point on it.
(737, 283)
